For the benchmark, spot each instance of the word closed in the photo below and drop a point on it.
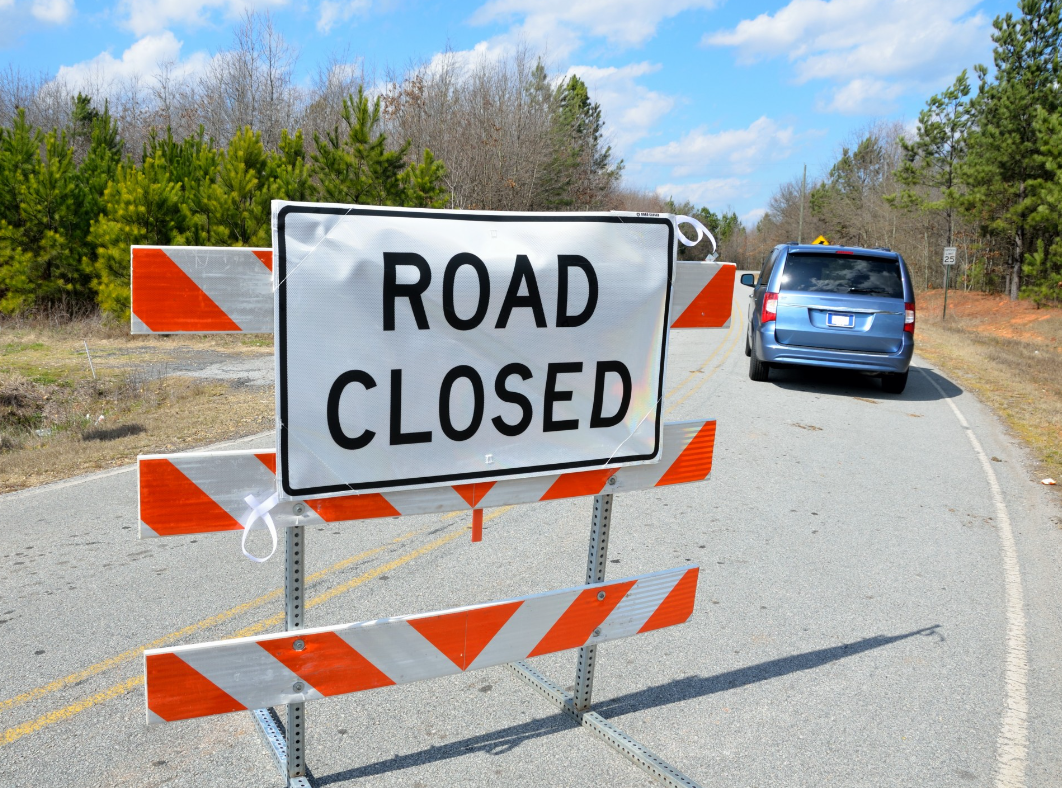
(419, 347)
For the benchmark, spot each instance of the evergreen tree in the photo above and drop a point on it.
(1002, 158)
(98, 167)
(932, 159)
(355, 166)
(1043, 265)
(19, 146)
(141, 206)
(583, 171)
(40, 260)
(241, 194)
(288, 172)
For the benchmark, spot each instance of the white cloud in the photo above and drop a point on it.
(53, 11)
(752, 218)
(142, 59)
(713, 193)
(334, 12)
(152, 16)
(876, 49)
(862, 97)
(734, 151)
(560, 24)
(630, 109)
(496, 49)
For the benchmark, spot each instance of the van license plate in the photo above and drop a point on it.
(840, 321)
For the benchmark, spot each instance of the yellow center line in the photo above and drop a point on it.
(736, 341)
(59, 715)
(199, 626)
(711, 355)
(52, 717)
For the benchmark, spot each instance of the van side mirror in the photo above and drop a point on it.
(749, 280)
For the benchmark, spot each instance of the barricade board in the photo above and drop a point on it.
(185, 682)
(208, 289)
(203, 492)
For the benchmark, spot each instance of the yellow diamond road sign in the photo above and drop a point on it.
(821, 240)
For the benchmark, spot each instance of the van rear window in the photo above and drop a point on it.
(842, 273)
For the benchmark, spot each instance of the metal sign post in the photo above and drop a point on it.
(949, 261)
(584, 262)
(288, 744)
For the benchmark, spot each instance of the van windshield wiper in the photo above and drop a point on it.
(867, 290)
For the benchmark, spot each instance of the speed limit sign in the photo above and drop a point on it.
(949, 255)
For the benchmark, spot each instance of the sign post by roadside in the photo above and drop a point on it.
(949, 261)
(432, 361)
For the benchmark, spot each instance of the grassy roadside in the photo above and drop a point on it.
(1010, 355)
(61, 416)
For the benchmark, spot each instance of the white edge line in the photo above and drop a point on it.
(1013, 744)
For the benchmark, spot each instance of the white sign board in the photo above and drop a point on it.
(420, 347)
(949, 255)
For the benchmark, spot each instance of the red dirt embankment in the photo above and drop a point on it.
(995, 314)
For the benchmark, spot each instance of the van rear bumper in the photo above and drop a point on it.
(768, 350)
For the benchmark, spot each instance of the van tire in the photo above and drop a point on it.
(748, 346)
(758, 370)
(895, 383)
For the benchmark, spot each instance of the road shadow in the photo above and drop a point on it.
(507, 739)
(848, 383)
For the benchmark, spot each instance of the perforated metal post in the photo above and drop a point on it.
(595, 573)
(294, 576)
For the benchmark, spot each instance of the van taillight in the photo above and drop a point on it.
(770, 307)
(908, 318)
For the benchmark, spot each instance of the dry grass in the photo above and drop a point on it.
(57, 420)
(1010, 355)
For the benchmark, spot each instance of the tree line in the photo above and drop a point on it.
(174, 159)
(982, 172)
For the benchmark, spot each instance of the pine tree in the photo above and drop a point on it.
(1043, 265)
(141, 206)
(355, 166)
(287, 171)
(583, 170)
(40, 261)
(98, 167)
(1002, 155)
(241, 194)
(931, 160)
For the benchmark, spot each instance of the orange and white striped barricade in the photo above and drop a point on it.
(204, 492)
(207, 289)
(199, 290)
(243, 674)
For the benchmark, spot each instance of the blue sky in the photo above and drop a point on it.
(708, 100)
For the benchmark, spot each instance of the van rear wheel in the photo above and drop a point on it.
(894, 384)
(758, 370)
(748, 346)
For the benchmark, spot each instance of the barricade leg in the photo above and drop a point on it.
(595, 573)
(294, 591)
(288, 745)
(577, 706)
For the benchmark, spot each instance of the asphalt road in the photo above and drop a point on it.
(878, 606)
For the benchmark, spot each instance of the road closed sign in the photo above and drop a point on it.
(419, 347)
